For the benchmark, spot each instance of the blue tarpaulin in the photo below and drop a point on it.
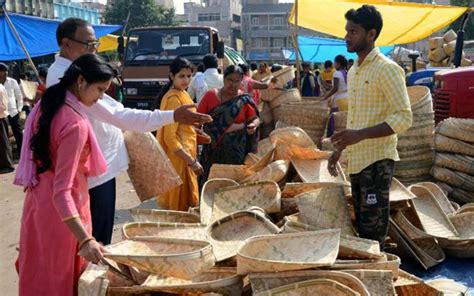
(318, 49)
(38, 35)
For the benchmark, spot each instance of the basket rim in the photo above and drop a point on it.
(308, 283)
(206, 199)
(158, 211)
(157, 225)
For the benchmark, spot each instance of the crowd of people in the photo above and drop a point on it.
(73, 147)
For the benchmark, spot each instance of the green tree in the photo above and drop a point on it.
(143, 13)
(469, 27)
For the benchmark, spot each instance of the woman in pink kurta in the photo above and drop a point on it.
(55, 236)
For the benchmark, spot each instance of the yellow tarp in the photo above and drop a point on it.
(402, 22)
(107, 43)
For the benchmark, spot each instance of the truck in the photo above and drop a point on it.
(149, 52)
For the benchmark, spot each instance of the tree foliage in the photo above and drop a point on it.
(469, 27)
(143, 13)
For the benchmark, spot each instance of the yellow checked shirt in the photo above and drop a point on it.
(377, 94)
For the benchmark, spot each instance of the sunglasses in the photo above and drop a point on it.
(90, 44)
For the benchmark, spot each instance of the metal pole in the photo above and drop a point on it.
(297, 52)
(18, 38)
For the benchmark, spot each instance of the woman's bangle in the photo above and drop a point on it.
(194, 162)
(84, 241)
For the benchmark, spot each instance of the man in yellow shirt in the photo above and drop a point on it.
(379, 109)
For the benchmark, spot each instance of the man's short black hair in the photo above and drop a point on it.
(350, 60)
(327, 64)
(368, 17)
(253, 66)
(68, 28)
(210, 61)
(3, 67)
(244, 67)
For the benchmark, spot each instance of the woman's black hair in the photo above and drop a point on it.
(245, 68)
(341, 60)
(94, 69)
(176, 65)
(233, 69)
(327, 64)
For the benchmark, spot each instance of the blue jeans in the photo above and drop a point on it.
(102, 204)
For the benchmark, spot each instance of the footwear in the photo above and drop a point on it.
(6, 170)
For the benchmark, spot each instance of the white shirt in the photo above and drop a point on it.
(3, 102)
(342, 86)
(15, 98)
(108, 118)
(202, 83)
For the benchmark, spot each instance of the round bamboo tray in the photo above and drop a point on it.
(420, 99)
(457, 179)
(234, 172)
(302, 113)
(377, 282)
(291, 95)
(275, 171)
(207, 197)
(195, 231)
(228, 234)
(271, 253)
(442, 143)
(265, 195)
(325, 208)
(440, 196)
(171, 257)
(265, 281)
(156, 216)
(389, 263)
(312, 287)
(457, 162)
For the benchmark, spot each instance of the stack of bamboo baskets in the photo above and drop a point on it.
(414, 145)
(442, 50)
(454, 158)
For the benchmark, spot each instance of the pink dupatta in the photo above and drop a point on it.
(26, 173)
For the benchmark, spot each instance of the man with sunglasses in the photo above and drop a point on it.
(75, 38)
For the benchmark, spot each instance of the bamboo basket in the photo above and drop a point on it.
(436, 42)
(417, 152)
(449, 36)
(469, 207)
(457, 162)
(302, 113)
(442, 143)
(271, 253)
(291, 95)
(264, 146)
(325, 208)
(389, 262)
(195, 231)
(315, 170)
(293, 135)
(415, 140)
(424, 130)
(293, 189)
(228, 234)
(209, 189)
(431, 215)
(285, 75)
(266, 281)
(156, 216)
(145, 168)
(464, 222)
(340, 120)
(265, 194)
(93, 281)
(437, 55)
(457, 128)
(399, 192)
(289, 151)
(262, 162)
(171, 257)
(410, 285)
(449, 48)
(251, 159)
(456, 247)
(457, 179)
(420, 98)
(312, 287)
(462, 196)
(275, 171)
(234, 172)
(440, 196)
(378, 282)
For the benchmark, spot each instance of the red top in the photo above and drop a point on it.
(247, 87)
(210, 100)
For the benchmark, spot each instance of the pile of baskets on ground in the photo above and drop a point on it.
(414, 145)
(454, 158)
(280, 225)
(442, 50)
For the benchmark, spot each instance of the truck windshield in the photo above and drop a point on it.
(161, 46)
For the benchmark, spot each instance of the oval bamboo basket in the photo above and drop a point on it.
(440, 196)
(457, 128)
(265, 281)
(325, 208)
(390, 263)
(171, 257)
(228, 234)
(275, 171)
(234, 172)
(377, 282)
(265, 195)
(156, 216)
(399, 192)
(312, 287)
(442, 143)
(208, 191)
(271, 253)
(454, 178)
(315, 170)
(195, 231)
(457, 162)
(291, 95)
(302, 113)
(420, 99)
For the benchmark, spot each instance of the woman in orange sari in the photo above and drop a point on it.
(179, 140)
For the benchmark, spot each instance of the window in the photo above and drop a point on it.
(255, 21)
(259, 42)
(209, 17)
(278, 42)
(278, 21)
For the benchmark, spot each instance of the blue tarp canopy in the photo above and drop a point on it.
(38, 35)
(318, 49)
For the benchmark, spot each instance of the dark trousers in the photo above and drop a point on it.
(6, 157)
(17, 130)
(370, 194)
(102, 204)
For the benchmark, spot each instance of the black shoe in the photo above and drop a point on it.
(6, 170)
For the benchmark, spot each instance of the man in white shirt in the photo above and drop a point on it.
(209, 80)
(15, 104)
(6, 157)
(76, 37)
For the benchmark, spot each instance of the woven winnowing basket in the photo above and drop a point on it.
(312, 287)
(289, 96)
(457, 179)
(420, 99)
(464, 223)
(145, 168)
(457, 128)
(457, 162)
(229, 171)
(283, 252)
(293, 189)
(313, 132)
(325, 208)
(410, 285)
(315, 170)
(265, 281)
(431, 215)
(228, 234)
(265, 194)
(194, 231)
(442, 143)
(378, 282)
(274, 171)
(171, 257)
(291, 135)
(440, 196)
(262, 162)
(302, 113)
(285, 75)
(151, 215)
(251, 159)
(207, 196)
(389, 262)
